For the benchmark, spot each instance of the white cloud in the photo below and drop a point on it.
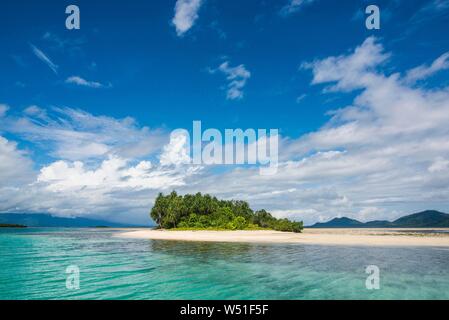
(435, 6)
(294, 6)
(349, 71)
(113, 173)
(383, 155)
(44, 58)
(37, 112)
(431, 10)
(15, 166)
(74, 134)
(83, 82)
(101, 169)
(424, 71)
(115, 187)
(3, 109)
(301, 97)
(439, 165)
(380, 157)
(177, 152)
(237, 77)
(71, 44)
(186, 13)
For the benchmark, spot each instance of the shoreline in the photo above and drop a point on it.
(407, 237)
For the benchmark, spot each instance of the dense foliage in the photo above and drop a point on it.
(8, 225)
(206, 212)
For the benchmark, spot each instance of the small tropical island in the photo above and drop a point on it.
(9, 225)
(204, 218)
(205, 212)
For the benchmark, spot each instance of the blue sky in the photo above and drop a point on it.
(75, 101)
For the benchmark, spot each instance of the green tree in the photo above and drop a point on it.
(205, 211)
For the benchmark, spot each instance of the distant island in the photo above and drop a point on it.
(424, 219)
(204, 212)
(47, 220)
(7, 225)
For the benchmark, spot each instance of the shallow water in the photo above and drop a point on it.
(424, 231)
(33, 266)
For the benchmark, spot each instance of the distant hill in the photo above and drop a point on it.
(425, 219)
(340, 223)
(47, 220)
(7, 225)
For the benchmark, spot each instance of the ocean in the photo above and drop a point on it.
(34, 263)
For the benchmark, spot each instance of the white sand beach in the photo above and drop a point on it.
(346, 237)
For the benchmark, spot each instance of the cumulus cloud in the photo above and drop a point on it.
(119, 187)
(186, 14)
(15, 166)
(84, 83)
(176, 152)
(237, 78)
(98, 172)
(113, 173)
(383, 156)
(114, 188)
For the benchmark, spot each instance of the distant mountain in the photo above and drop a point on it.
(339, 223)
(47, 220)
(425, 219)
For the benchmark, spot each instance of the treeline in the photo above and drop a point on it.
(206, 212)
(9, 225)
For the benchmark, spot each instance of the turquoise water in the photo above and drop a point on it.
(33, 264)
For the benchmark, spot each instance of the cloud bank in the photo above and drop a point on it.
(384, 155)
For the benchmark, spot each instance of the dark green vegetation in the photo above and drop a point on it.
(425, 219)
(206, 212)
(7, 225)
